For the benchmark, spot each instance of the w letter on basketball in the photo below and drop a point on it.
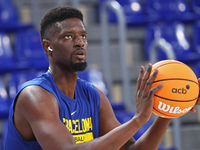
(172, 110)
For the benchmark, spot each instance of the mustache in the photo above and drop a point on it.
(78, 49)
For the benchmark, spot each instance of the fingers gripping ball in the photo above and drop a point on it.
(179, 92)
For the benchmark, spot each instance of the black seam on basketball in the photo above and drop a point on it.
(174, 99)
(175, 79)
(163, 113)
(168, 64)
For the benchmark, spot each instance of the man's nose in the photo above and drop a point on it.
(79, 41)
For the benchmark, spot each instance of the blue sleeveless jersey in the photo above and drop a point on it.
(79, 115)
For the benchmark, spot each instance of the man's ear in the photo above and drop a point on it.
(45, 45)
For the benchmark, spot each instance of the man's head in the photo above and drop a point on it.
(64, 38)
(55, 15)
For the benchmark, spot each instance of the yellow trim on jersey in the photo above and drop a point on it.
(83, 137)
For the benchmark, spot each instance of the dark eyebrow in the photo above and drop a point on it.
(84, 32)
(71, 32)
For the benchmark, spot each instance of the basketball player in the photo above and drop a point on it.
(59, 111)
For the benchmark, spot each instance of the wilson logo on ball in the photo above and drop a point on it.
(172, 110)
(180, 89)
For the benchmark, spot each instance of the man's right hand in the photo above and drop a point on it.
(145, 94)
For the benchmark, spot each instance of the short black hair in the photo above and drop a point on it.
(55, 15)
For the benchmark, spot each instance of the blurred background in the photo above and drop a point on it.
(122, 36)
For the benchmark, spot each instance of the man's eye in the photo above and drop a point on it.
(83, 36)
(68, 36)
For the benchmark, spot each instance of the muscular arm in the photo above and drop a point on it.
(38, 113)
(37, 110)
(37, 116)
(150, 140)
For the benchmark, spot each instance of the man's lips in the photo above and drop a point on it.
(79, 54)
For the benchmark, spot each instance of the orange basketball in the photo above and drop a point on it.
(179, 92)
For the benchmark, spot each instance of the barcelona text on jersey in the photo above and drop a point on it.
(82, 130)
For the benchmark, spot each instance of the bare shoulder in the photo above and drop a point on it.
(33, 98)
(32, 103)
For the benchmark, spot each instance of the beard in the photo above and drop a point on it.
(80, 66)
